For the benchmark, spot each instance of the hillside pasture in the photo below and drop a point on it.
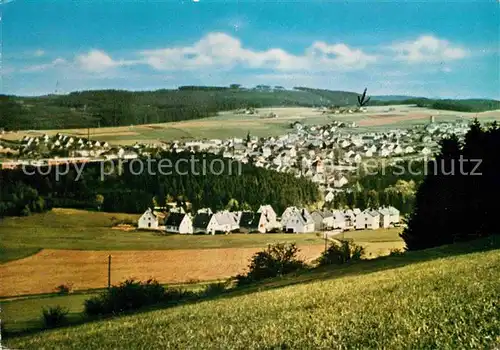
(442, 298)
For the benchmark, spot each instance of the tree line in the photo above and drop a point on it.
(124, 191)
(108, 108)
(467, 105)
(393, 185)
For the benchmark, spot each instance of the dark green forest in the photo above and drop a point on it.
(101, 108)
(458, 199)
(393, 185)
(123, 191)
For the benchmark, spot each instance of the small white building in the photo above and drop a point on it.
(225, 221)
(318, 218)
(297, 221)
(385, 217)
(394, 215)
(268, 217)
(148, 220)
(368, 220)
(339, 221)
(329, 196)
(349, 218)
(426, 151)
(179, 223)
(342, 181)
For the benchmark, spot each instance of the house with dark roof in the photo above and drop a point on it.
(295, 220)
(202, 223)
(249, 221)
(225, 221)
(179, 223)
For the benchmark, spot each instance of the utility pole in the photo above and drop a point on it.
(109, 271)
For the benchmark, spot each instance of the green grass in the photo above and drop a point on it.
(22, 315)
(83, 230)
(15, 253)
(25, 314)
(445, 298)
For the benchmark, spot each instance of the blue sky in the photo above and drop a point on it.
(424, 48)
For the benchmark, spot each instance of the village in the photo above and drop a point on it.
(329, 155)
(265, 220)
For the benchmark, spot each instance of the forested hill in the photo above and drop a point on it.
(205, 180)
(467, 105)
(101, 108)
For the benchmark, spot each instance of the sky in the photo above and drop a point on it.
(419, 48)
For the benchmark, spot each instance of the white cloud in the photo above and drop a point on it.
(39, 53)
(58, 62)
(224, 51)
(96, 61)
(339, 55)
(428, 49)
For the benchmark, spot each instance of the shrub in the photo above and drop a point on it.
(63, 289)
(277, 260)
(3, 330)
(95, 306)
(215, 288)
(54, 316)
(396, 252)
(341, 252)
(174, 295)
(128, 295)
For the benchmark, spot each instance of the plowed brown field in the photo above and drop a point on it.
(42, 272)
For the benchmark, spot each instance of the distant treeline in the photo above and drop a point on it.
(102, 108)
(470, 105)
(21, 194)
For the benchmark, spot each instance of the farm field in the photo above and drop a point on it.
(438, 298)
(86, 230)
(230, 124)
(43, 272)
(72, 246)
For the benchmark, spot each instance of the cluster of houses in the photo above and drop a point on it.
(326, 154)
(265, 220)
(78, 147)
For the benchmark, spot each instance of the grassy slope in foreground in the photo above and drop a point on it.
(447, 302)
